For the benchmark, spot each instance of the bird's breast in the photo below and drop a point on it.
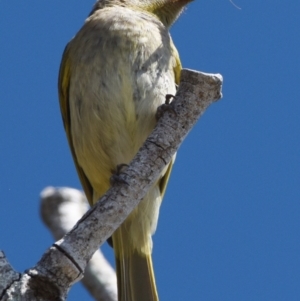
(122, 68)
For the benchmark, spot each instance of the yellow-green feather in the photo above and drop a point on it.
(63, 88)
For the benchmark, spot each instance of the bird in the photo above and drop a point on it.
(114, 74)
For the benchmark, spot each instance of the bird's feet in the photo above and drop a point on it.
(165, 107)
(116, 178)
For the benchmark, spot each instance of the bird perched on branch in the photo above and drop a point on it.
(114, 74)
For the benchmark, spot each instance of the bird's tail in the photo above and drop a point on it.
(135, 273)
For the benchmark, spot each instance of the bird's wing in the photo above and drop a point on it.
(63, 88)
(177, 69)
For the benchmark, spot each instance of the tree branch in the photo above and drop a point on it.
(61, 208)
(64, 263)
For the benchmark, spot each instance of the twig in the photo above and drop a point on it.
(64, 263)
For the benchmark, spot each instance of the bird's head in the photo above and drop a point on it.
(167, 11)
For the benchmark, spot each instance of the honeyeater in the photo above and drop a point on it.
(114, 74)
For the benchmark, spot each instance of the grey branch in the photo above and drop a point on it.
(64, 262)
(61, 208)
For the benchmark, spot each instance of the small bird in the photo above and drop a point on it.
(114, 74)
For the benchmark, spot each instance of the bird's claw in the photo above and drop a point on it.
(116, 175)
(165, 107)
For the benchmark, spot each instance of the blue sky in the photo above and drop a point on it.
(230, 221)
